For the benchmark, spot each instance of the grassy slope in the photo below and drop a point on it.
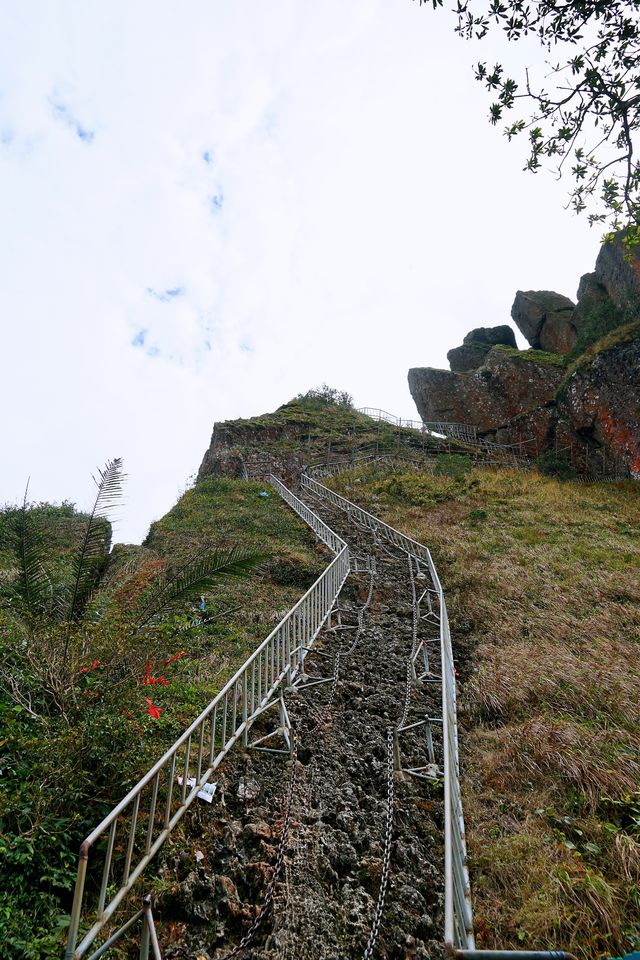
(226, 512)
(543, 583)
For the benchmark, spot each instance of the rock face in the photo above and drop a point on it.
(602, 401)
(545, 320)
(506, 386)
(619, 277)
(235, 449)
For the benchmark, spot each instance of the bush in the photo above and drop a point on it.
(552, 464)
(328, 395)
(454, 465)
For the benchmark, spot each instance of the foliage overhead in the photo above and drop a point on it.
(583, 115)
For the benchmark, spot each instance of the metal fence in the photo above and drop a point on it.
(114, 855)
(350, 463)
(458, 914)
(454, 431)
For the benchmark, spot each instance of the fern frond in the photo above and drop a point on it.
(91, 558)
(196, 575)
(33, 586)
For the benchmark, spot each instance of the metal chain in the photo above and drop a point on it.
(386, 859)
(407, 695)
(268, 897)
(334, 686)
(361, 613)
(414, 639)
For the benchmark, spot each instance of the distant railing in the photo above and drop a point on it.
(130, 836)
(454, 431)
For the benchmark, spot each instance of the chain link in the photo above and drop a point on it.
(268, 897)
(386, 859)
(334, 686)
(414, 640)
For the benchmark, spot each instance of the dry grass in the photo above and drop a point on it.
(543, 584)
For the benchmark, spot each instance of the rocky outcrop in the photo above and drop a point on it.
(238, 449)
(618, 271)
(508, 385)
(545, 320)
(591, 409)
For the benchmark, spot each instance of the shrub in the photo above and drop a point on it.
(454, 465)
(552, 464)
(328, 395)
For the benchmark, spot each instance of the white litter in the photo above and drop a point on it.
(207, 791)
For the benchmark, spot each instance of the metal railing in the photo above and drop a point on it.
(128, 838)
(458, 925)
(349, 463)
(458, 932)
(454, 431)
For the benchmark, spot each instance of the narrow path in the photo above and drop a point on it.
(326, 895)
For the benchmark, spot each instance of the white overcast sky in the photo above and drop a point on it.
(208, 207)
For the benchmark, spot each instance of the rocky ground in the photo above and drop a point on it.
(325, 896)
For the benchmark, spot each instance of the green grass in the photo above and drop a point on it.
(542, 357)
(622, 334)
(542, 582)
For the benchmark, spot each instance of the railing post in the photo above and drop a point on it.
(145, 936)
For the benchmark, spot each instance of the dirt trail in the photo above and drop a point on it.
(326, 894)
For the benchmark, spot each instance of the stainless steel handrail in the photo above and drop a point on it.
(458, 932)
(151, 810)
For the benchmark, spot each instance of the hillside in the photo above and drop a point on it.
(541, 580)
(542, 584)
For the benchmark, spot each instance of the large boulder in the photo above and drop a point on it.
(477, 344)
(494, 336)
(595, 314)
(508, 385)
(545, 320)
(468, 357)
(618, 270)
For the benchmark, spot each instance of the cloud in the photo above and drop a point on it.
(165, 296)
(367, 222)
(63, 113)
(216, 201)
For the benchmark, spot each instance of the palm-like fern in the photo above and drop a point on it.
(32, 588)
(90, 561)
(194, 576)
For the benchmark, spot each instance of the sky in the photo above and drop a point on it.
(209, 207)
